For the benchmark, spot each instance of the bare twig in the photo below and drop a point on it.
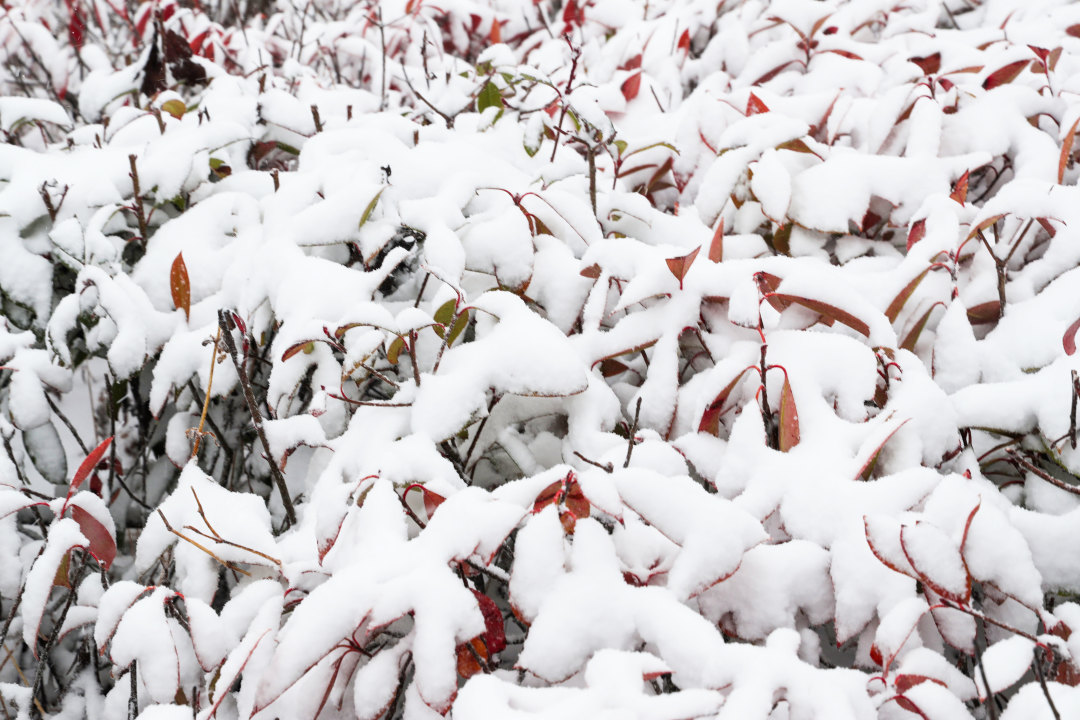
(630, 436)
(206, 550)
(209, 385)
(256, 416)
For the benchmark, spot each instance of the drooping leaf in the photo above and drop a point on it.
(1068, 341)
(867, 467)
(459, 325)
(988, 222)
(180, 286)
(908, 343)
(494, 629)
(102, 544)
(983, 313)
(432, 500)
(611, 368)
(394, 351)
(789, 418)
(936, 560)
(1004, 75)
(631, 86)
(304, 346)
(827, 311)
(445, 314)
(781, 239)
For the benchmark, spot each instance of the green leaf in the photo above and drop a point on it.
(445, 314)
(489, 97)
(175, 107)
(458, 327)
(370, 208)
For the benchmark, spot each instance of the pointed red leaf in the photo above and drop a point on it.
(1004, 75)
(917, 233)
(878, 532)
(710, 419)
(432, 500)
(684, 41)
(789, 419)
(631, 86)
(988, 222)
(679, 266)
(906, 681)
(755, 106)
(829, 312)
(908, 343)
(494, 632)
(88, 465)
(983, 313)
(1073, 31)
(868, 466)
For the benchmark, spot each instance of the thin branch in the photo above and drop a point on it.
(209, 552)
(209, 385)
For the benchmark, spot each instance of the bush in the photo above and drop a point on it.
(490, 359)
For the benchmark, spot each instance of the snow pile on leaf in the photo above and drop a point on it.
(550, 359)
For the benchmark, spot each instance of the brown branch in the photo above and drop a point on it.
(209, 552)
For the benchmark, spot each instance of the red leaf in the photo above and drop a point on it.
(1069, 340)
(917, 233)
(875, 655)
(988, 222)
(549, 495)
(1004, 75)
(684, 41)
(754, 106)
(789, 419)
(906, 681)
(102, 543)
(716, 247)
(922, 541)
(829, 312)
(1073, 30)
(910, 706)
(593, 271)
(929, 64)
(632, 64)
(611, 368)
(844, 53)
(960, 190)
(873, 532)
(88, 466)
(767, 284)
(710, 419)
(1066, 149)
(679, 266)
(868, 466)
(1041, 53)
(631, 86)
(983, 313)
(576, 501)
(305, 346)
(494, 633)
(432, 500)
(180, 285)
(908, 343)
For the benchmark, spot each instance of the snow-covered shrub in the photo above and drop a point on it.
(526, 359)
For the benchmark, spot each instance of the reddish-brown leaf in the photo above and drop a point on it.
(868, 466)
(549, 495)
(917, 233)
(679, 266)
(432, 500)
(576, 501)
(1004, 75)
(494, 632)
(789, 419)
(967, 527)
(611, 368)
(960, 189)
(305, 346)
(469, 656)
(879, 548)
(716, 247)
(915, 541)
(102, 544)
(983, 313)
(1073, 31)
(593, 271)
(1069, 339)
(929, 64)
(755, 106)
(988, 222)
(1066, 149)
(684, 42)
(908, 343)
(631, 86)
(844, 53)
(893, 311)
(180, 286)
(910, 706)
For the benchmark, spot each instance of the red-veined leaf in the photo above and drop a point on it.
(960, 189)
(936, 560)
(893, 311)
(679, 266)
(716, 247)
(102, 544)
(789, 419)
(1045, 223)
(755, 106)
(879, 534)
(1004, 75)
(1066, 149)
(180, 286)
(929, 64)
(548, 496)
(797, 145)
